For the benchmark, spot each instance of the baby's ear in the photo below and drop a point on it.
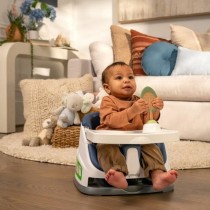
(106, 88)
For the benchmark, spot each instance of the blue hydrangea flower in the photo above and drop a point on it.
(36, 15)
(26, 7)
(52, 15)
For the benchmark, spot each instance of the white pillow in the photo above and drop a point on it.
(191, 62)
(101, 55)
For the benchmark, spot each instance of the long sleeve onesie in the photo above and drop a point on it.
(114, 115)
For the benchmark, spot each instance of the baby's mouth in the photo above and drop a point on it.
(127, 87)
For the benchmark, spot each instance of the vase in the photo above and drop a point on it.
(33, 34)
(13, 33)
(43, 31)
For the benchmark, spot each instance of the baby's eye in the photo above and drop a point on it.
(131, 77)
(118, 77)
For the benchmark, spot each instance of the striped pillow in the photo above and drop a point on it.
(139, 42)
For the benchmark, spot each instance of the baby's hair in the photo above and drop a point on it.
(105, 72)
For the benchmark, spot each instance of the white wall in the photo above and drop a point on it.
(161, 28)
(85, 21)
(93, 19)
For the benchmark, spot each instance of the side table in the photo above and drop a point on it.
(9, 53)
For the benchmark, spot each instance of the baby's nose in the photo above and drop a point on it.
(126, 79)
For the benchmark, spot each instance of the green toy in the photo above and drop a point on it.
(148, 94)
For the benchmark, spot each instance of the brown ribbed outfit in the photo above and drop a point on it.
(114, 116)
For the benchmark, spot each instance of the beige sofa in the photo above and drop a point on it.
(186, 97)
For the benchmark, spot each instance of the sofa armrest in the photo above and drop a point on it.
(78, 67)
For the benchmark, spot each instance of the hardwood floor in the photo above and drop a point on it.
(29, 185)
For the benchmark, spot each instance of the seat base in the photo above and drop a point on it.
(135, 186)
(89, 178)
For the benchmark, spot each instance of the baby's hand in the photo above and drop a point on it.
(140, 106)
(157, 103)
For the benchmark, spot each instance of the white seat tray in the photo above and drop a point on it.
(131, 137)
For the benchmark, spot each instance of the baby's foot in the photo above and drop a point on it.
(116, 179)
(162, 179)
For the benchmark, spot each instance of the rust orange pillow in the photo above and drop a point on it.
(139, 42)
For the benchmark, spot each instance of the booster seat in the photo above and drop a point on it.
(89, 177)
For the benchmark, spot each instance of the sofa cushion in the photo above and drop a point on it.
(159, 59)
(177, 88)
(139, 42)
(41, 97)
(191, 119)
(186, 37)
(121, 44)
(192, 62)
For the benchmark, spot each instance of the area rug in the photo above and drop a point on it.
(182, 155)
(12, 145)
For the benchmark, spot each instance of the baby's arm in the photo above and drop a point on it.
(140, 106)
(110, 114)
(158, 104)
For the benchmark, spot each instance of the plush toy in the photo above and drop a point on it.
(61, 41)
(45, 136)
(88, 99)
(72, 103)
(99, 97)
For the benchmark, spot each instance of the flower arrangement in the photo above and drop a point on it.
(36, 12)
(16, 30)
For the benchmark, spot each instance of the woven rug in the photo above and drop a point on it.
(12, 145)
(182, 155)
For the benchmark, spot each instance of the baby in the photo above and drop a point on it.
(122, 110)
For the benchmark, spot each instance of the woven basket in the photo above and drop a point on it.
(66, 137)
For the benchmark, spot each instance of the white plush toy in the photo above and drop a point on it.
(45, 136)
(87, 104)
(72, 103)
(99, 97)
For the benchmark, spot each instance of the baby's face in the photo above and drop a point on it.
(120, 82)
